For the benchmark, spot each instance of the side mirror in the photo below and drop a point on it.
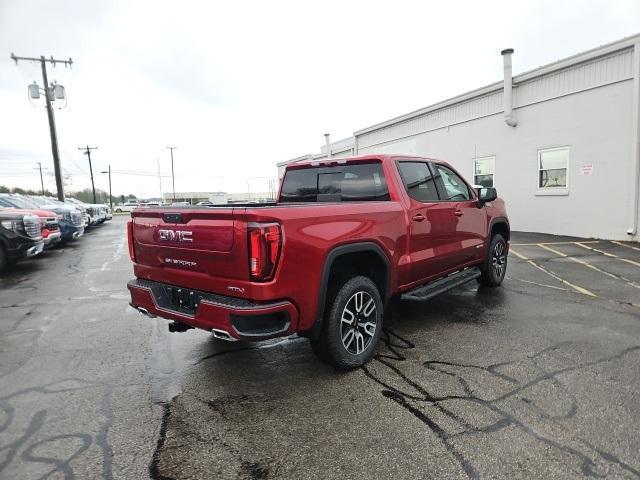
(487, 194)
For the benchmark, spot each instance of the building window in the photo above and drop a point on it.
(553, 168)
(483, 171)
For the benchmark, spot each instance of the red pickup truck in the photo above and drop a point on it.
(344, 238)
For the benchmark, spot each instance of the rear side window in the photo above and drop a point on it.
(418, 181)
(341, 183)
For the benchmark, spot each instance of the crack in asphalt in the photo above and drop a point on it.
(154, 466)
(415, 404)
(36, 423)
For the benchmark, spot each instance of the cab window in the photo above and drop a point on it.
(452, 187)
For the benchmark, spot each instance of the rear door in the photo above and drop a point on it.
(469, 221)
(432, 224)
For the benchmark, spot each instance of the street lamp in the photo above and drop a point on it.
(110, 200)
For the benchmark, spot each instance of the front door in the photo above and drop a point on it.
(470, 220)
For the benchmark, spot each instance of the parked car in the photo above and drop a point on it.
(70, 219)
(344, 238)
(82, 207)
(126, 207)
(96, 213)
(49, 228)
(20, 237)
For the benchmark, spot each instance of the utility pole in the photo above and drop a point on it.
(87, 152)
(173, 178)
(41, 181)
(160, 181)
(110, 200)
(52, 121)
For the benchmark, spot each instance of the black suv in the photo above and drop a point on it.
(20, 237)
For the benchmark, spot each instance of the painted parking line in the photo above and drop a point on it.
(588, 265)
(577, 288)
(537, 284)
(611, 255)
(550, 243)
(626, 246)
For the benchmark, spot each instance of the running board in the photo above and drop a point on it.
(430, 290)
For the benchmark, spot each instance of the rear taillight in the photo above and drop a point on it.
(265, 242)
(132, 252)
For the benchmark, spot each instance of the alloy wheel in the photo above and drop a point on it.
(499, 259)
(358, 322)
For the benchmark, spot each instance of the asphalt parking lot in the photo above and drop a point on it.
(536, 379)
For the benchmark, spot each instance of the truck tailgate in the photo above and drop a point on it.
(195, 248)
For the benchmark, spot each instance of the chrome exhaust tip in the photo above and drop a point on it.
(223, 335)
(144, 311)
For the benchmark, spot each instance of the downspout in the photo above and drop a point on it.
(635, 146)
(328, 144)
(508, 88)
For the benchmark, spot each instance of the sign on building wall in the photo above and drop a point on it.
(586, 169)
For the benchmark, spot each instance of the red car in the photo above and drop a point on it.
(344, 238)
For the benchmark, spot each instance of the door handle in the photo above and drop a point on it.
(418, 217)
(458, 213)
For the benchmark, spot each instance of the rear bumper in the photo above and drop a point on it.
(242, 319)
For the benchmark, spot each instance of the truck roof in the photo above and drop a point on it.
(360, 158)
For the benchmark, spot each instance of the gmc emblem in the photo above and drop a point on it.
(175, 235)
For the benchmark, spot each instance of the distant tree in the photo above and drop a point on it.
(86, 195)
(4, 189)
(121, 198)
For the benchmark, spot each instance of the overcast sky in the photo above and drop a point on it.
(239, 86)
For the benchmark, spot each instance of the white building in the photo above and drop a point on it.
(562, 146)
(218, 198)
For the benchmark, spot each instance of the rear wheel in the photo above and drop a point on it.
(118, 210)
(495, 265)
(352, 325)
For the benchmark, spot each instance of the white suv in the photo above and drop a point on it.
(126, 207)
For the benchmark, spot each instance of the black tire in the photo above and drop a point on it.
(494, 266)
(350, 343)
(118, 210)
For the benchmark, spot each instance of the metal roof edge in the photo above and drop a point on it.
(602, 50)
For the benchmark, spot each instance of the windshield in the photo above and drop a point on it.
(40, 201)
(18, 202)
